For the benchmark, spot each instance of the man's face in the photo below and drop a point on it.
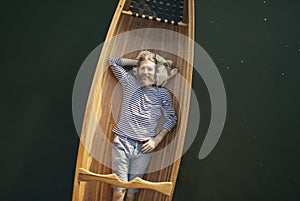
(146, 73)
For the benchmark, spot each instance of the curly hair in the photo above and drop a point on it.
(146, 55)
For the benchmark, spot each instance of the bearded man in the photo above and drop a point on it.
(143, 105)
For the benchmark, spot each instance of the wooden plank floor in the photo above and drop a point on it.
(105, 91)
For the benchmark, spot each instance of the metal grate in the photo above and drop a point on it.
(170, 11)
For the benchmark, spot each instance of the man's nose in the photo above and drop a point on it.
(146, 71)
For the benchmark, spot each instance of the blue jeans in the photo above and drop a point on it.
(128, 161)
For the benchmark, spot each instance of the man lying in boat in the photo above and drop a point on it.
(142, 106)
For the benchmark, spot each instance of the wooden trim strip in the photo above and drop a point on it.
(163, 187)
(151, 18)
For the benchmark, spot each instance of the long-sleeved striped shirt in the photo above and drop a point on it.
(141, 107)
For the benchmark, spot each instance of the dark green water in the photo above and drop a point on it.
(44, 44)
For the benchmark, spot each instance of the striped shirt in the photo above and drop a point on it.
(141, 107)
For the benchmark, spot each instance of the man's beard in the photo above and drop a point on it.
(145, 80)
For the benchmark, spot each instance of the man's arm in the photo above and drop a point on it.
(116, 65)
(129, 62)
(153, 142)
(168, 110)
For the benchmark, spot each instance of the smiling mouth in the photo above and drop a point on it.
(145, 77)
(146, 80)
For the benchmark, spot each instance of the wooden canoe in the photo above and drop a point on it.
(172, 39)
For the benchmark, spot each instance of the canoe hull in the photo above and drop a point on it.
(128, 35)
